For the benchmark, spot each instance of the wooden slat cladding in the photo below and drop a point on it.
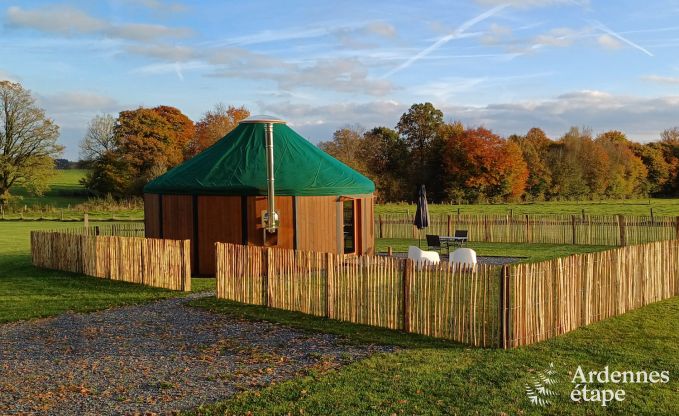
(152, 215)
(285, 236)
(219, 220)
(317, 223)
(368, 225)
(177, 220)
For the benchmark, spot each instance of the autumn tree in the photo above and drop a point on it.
(535, 149)
(420, 126)
(215, 124)
(148, 142)
(483, 166)
(99, 138)
(626, 172)
(346, 146)
(27, 142)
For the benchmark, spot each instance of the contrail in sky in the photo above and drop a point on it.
(458, 33)
(603, 28)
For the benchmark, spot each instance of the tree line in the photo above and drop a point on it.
(459, 163)
(456, 163)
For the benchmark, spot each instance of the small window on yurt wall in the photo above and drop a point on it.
(349, 217)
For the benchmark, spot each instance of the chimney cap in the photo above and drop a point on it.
(263, 118)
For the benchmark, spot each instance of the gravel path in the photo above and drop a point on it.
(154, 358)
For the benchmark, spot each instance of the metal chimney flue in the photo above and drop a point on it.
(271, 216)
(270, 220)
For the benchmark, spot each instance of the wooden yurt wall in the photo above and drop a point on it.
(368, 225)
(177, 222)
(152, 216)
(219, 220)
(286, 228)
(317, 223)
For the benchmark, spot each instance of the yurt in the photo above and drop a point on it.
(265, 185)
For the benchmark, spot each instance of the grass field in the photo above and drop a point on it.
(440, 378)
(661, 207)
(66, 191)
(27, 292)
(529, 252)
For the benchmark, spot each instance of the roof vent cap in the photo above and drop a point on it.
(263, 118)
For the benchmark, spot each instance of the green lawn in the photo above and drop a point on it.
(434, 377)
(60, 200)
(669, 207)
(65, 189)
(530, 252)
(27, 292)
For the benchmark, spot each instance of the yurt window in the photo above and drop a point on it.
(349, 226)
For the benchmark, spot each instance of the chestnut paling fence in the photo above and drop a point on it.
(611, 230)
(487, 306)
(553, 297)
(455, 303)
(153, 262)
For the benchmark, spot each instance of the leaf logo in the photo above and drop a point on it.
(539, 390)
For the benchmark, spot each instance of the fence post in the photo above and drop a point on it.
(186, 262)
(407, 276)
(381, 225)
(574, 229)
(86, 220)
(265, 276)
(652, 217)
(450, 225)
(527, 229)
(390, 251)
(505, 333)
(486, 230)
(329, 310)
(621, 227)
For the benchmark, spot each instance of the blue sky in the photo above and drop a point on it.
(507, 65)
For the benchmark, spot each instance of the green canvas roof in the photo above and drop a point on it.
(236, 165)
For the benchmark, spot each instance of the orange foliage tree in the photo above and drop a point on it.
(214, 125)
(481, 165)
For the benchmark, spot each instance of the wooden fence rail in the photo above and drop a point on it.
(553, 297)
(613, 230)
(454, 303)
(152, 262)
(486, 306)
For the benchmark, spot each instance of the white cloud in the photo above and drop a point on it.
(70, 102)
(661, 79)
(157, 5)
(607, 41)
(64, 20)
(163, 52)
(640, 117)
(380, 28)
(68, 21)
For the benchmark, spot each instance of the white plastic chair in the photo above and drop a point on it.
(421, 257)
(463, 256)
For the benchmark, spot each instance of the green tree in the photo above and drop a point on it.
(385, 155)
(28, 142)
(420, 126)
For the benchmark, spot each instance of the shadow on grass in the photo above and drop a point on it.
(355, 333)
